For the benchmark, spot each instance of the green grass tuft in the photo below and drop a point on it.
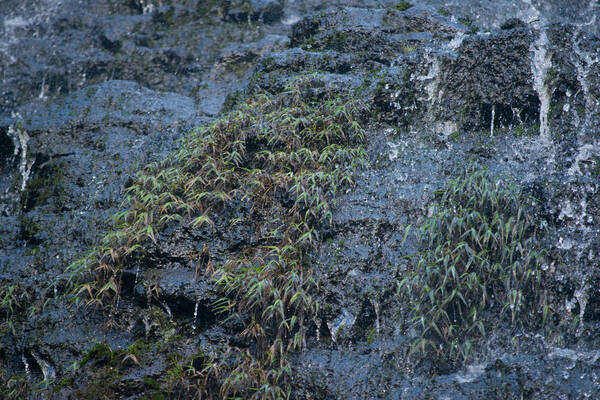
(288, 158)
(480, 262)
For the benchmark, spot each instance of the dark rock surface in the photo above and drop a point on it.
(92, 91)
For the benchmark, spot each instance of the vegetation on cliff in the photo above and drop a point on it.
(480, 260)
(282, 157)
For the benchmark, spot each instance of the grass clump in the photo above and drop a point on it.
(13, 301)
(480, 265)
(282, 157)
(15, 387)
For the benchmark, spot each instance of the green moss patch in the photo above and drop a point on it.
(403, 6)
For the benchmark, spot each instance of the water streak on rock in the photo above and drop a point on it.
(26, 364)
(20, 139)
(540, 64)
(195, 317)
(492, 122)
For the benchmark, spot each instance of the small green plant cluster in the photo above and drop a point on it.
(403, 6)
(480, 264)
(14, 387)
(287, 158)
(14, 299)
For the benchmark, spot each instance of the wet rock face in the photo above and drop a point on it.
(163, 47)
(465, 82)
(93, 92)
(492, 74)
(267, 11)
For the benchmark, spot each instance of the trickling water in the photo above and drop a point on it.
(317, 324)
(20, 139)
(146, 5)
(584, 153)
(583, 64)
(471, 374)
(167, 309)
(590, 357)
(540, 65)
(456, 41)
(582, 295)
(137, 275)
(376, 307)
(195, 317)
(492, 123)
(10, 37)
(42, 95)
(26, 364)
(291, 19)
(344, 321)
(432, 78)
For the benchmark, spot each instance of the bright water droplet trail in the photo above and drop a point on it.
(137, 274)
(26, 364)
(195, 317)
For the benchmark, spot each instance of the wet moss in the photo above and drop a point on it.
(519, 130)
(99, 353)
(555, 110)
(164, 18)
(139, 349)
(65, 382)
(310, 44)
(90, 92)
(232, 100)
(337, 41)
(47, 184)
(151, 383)
(595, 167)
(524, 130)
(455, 136)
(444, 12)
(403, 6)
(469, 23)
(533, 130)
(206, 7)
(28, 229)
